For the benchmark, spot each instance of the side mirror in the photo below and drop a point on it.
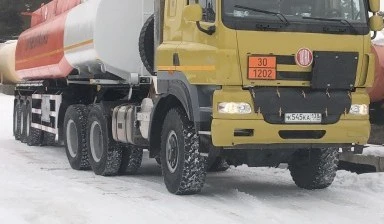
(193, 13)
(376, 23)
(374, 6)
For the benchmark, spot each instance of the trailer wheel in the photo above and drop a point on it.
(23, 125)
(104, 153)
(183, 167)
(75, 136)
(17, 119)
(33, 135)
(147, 44)
(315, 168)
(131, 159)
(49, 139)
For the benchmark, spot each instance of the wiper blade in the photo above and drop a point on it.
(342, 21)
(277, 14)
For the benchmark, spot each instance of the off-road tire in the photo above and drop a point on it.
(24, 126)
(191, 169)
(218, 165)
(146, 44)
(111, 152)
(75, 125)
(34, 135)
(17, 119)
(158, 160)
(315, 168)
(132, 156)
(49, 139)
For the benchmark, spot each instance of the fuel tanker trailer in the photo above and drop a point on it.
(7, 67)
(376, 94)
(197, 83)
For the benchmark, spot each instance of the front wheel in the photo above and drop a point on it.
(314, 168)
(183, 167)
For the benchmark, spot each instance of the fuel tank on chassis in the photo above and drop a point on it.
(91, 36)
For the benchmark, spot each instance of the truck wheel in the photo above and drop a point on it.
(75, 136)
(49, 139)
(34, 135)
(17, 119)
(104, 153)
(131, 159)
(24, 125)
(315, 168)
(218, 165)
(183, 167)
(147, 43)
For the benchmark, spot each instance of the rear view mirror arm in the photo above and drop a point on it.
(210, 31)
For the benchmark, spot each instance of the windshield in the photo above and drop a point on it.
(334, 16)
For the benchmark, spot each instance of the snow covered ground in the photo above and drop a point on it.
(38, 186)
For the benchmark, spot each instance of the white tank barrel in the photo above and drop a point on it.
(7, 63)
(103, 35)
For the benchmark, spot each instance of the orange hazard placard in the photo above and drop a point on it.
(262, 67)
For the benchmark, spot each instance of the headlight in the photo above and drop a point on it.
(359, 109)
(234, 108)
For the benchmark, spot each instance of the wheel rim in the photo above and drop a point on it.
(28, 124)
(72, 138)
(96, 142)
(172, 151)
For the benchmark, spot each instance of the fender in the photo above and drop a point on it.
(176, 90)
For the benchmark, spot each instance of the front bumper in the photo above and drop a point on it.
(345, 131)
(251, 129)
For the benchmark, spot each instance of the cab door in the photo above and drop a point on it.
(197, 53)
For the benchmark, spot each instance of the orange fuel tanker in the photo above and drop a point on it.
(376, 94)
(40, 50)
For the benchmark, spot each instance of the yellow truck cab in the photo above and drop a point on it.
(269, 81)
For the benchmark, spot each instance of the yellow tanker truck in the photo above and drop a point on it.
(259, 82)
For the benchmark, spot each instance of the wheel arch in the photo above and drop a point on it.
(161, 109)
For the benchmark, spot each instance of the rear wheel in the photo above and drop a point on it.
(131, 159)
(34, 135)
(25, 122)
(218, 165)
(315, 168)
(104, 153)
(183, 167)
(75, 136)
(49, 139)
(17, 119)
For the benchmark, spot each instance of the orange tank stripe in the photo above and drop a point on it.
(58, 51)
(187, 68)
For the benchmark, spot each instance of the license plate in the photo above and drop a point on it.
(262, 67)
(303, 118)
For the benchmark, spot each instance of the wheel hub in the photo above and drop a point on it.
(96, 142)
(172, 151)
(72, 138)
